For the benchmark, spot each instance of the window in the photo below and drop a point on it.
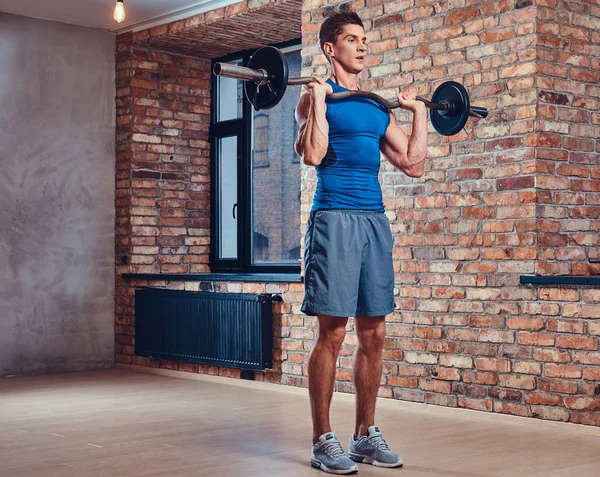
(255, 217)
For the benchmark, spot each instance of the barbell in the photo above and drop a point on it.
(266, 79)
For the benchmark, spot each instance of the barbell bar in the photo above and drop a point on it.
(266, 79)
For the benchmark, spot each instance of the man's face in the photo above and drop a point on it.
(350, 48)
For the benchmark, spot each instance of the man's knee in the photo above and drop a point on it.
(332, 331)
(371, 334)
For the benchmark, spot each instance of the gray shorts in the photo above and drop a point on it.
(348, 264)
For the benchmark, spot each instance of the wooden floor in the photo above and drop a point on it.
(123, 423)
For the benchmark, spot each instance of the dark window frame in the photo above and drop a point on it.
(242, 128)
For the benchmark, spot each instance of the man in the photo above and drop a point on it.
(348, 243)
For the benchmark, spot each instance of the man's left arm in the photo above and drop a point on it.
(408, 155)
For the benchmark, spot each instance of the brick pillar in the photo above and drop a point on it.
(568, 171)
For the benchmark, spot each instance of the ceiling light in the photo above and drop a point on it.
(119, 14)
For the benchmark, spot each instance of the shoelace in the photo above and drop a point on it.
(379, 442)
(333, 449)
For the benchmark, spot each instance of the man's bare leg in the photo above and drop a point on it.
(367, 369)
(321, 370)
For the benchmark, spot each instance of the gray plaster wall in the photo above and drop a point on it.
(57, 191)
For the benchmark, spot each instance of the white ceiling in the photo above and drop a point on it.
(139, 14)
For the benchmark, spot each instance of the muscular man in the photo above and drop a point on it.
(348, 242)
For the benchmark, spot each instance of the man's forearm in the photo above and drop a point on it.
(417, 145)
(315, 140)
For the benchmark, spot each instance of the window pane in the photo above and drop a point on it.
(276, 178)
(230, 97)
(228, 184)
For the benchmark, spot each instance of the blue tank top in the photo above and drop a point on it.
(347, 177)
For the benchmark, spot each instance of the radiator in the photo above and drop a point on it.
(223, 329)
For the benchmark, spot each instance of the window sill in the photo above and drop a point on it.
(219, 277)
(560, 280)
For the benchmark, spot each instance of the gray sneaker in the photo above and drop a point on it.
(372, 449)
(327, 454)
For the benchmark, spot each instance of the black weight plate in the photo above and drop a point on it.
(275, 64)
(450, 123)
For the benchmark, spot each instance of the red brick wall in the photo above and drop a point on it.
(163, 161)
(513, 194)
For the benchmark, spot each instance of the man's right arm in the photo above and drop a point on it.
(313, 132)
